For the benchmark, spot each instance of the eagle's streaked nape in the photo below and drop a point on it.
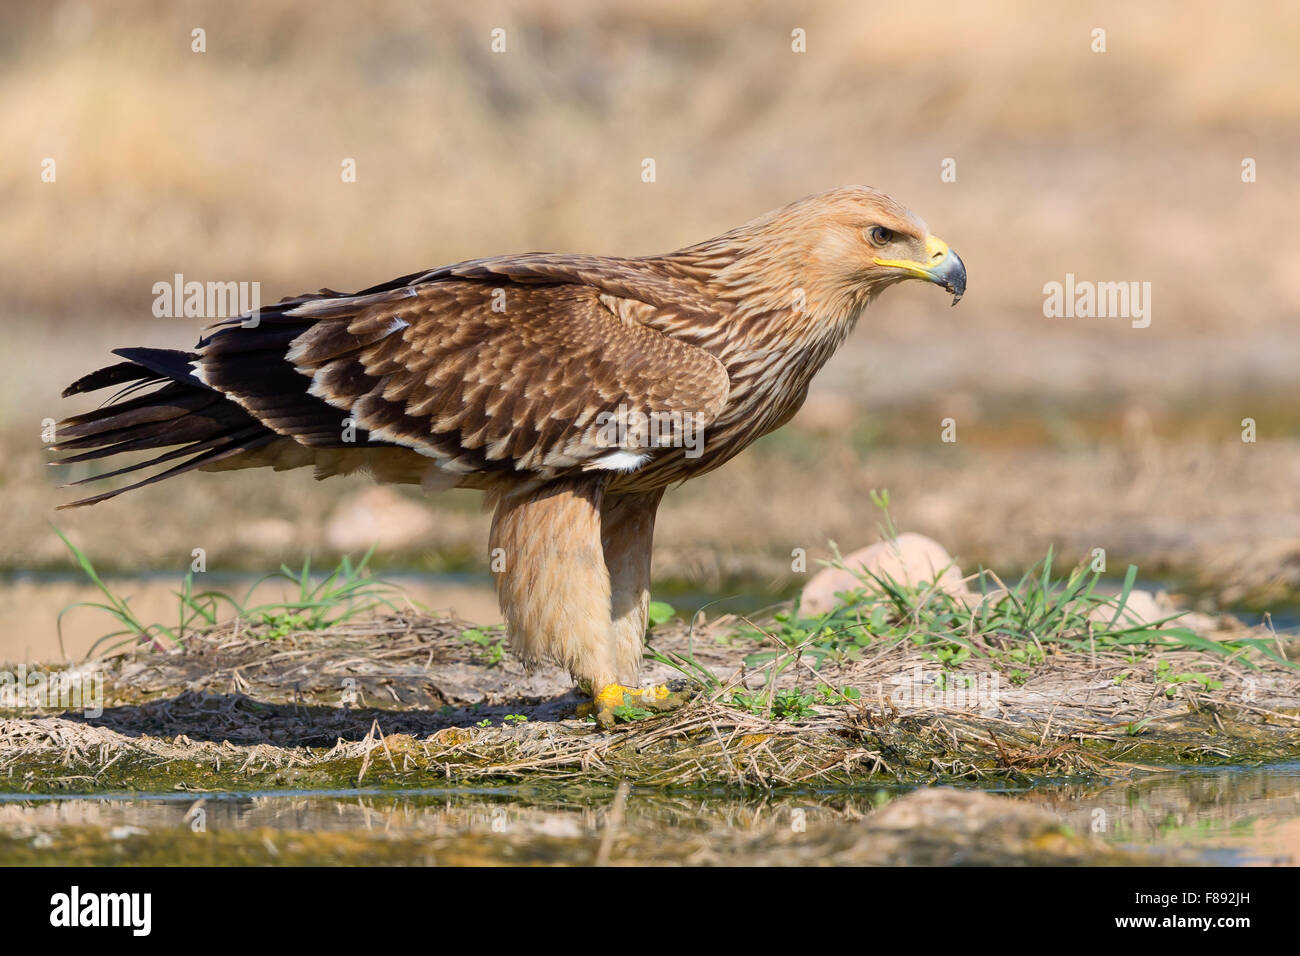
(533, 378)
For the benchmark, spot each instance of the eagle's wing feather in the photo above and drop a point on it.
(490, 366)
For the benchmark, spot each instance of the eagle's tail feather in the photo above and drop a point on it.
(183, 415)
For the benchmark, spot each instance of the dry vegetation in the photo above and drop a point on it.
(410, 701)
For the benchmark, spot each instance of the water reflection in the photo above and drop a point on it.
(1242, 815)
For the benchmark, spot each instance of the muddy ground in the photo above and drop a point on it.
(408, 702)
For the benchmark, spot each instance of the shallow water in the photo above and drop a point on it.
(1231, 815)
(1225, 816)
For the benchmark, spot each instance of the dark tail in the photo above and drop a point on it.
(182, 414)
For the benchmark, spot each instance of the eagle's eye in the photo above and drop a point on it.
(880, 236)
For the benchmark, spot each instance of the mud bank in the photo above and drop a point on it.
(409, 702)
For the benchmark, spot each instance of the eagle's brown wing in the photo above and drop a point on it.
(490, 367)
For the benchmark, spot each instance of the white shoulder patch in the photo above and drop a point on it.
(621, 460)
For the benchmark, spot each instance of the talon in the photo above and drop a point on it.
(612, 696)
(658, 699)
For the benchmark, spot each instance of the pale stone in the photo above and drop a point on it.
(1142, 607)
(909, 559)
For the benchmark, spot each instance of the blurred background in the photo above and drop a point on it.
(1079, 433)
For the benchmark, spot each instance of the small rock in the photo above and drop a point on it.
(908, 559)
(993, 598)
(1142, 607)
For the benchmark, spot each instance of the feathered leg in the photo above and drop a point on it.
(627, 527)
(574, 584)
(551, 577)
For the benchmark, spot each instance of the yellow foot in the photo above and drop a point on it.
(656, 699)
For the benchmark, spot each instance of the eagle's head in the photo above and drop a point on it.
(828, 254)
(858, 239)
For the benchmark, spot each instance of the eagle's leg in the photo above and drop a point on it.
(574, 585)
(627, 527)
(627, 535)
(552, 581)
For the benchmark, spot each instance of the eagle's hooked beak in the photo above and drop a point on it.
(944, 267)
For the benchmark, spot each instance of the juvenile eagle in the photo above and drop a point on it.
(573, 390)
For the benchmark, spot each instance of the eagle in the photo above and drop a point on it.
(573, 390)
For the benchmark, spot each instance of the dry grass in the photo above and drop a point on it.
(234, 711)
